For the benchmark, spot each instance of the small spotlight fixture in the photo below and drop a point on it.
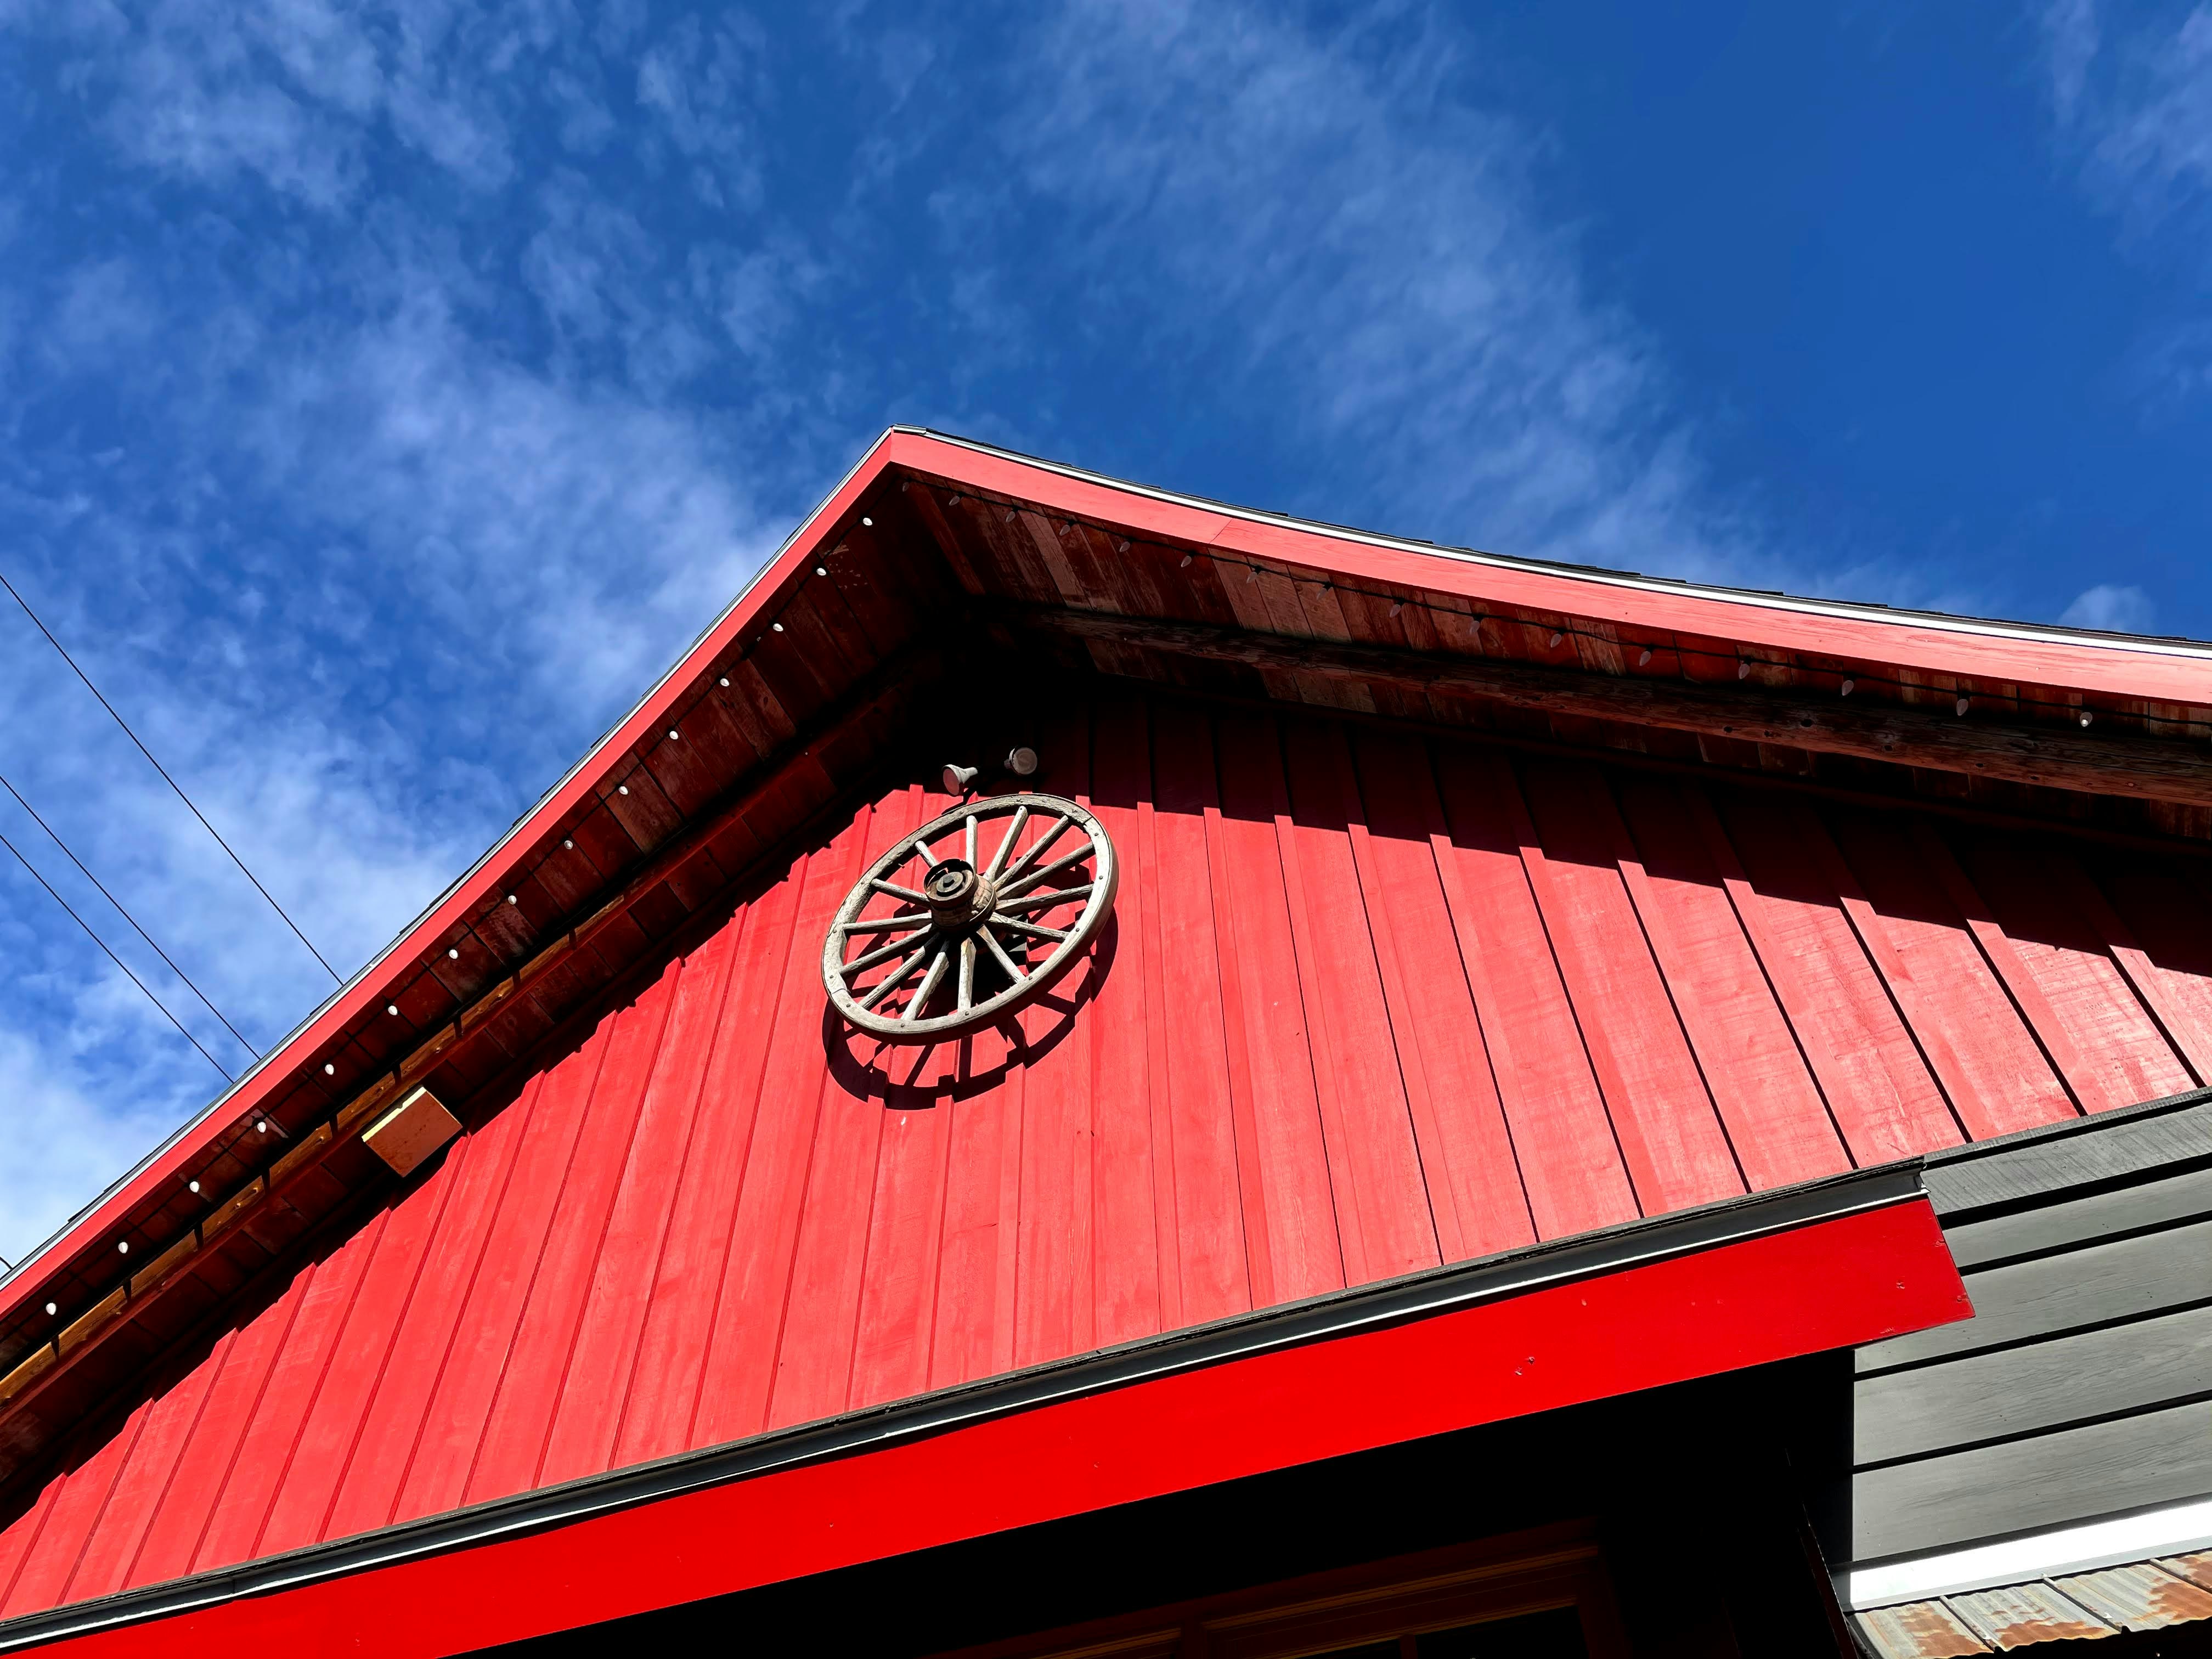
(958, 780)
(1022, 761)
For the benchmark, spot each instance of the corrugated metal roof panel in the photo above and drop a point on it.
(1920, 1630)
(2142, 1596)
(2019, 1615)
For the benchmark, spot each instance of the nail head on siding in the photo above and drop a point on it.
(725, 681)
(52, 1308)
(329, 1070)
(454, 952)
(778, 627)
(621, 789)
(870, 523)
(123, 1247)
(261, 1126)
(191, 1186)
(673, 735)
(392, 1009)
(511, 898)
(819, 570)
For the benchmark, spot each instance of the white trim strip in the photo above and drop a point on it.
(2172, 1531)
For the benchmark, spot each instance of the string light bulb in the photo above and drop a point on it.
(1645, 657)
(1962, 705)
(1848, 685)
(1743, 671)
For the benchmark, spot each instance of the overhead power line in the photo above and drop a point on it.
(171, 781)
(112, 957)
(127, 916)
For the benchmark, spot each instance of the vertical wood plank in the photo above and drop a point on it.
(1466, 1151)
(681, 1311)
(1301, 1234)
(484, 1335)
(740, 1376)
(1670, 1133)
(1127, 1266)
(1208, 1212)
(1355, 1050)
(1571, 1164)
(587, 1412)
(1885, 1100)
(2115, 1053)
(478, 1169)
(1990, 1067)
(1776, 1119)
(1054, 1304)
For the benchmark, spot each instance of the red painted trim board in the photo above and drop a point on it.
(1829, 1285)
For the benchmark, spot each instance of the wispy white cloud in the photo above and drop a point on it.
(2117, 608)
(2133, 100)
(1366, 254)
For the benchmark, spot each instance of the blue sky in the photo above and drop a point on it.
(387, 391)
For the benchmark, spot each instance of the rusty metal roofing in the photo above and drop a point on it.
(2138, 1595)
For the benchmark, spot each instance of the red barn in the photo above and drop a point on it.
(1375, 1118)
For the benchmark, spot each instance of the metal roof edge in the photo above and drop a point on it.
(1856, 610)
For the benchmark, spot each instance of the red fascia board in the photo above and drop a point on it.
(376, 983)
(1995, 652)
(1831, 1284)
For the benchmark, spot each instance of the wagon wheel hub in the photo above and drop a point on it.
(958, 897)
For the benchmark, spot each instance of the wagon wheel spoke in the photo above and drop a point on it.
(885, 985)
(968, 841)
(1014, 888)
(1037, 850)
(967, 975)
(869, 958)
(1045, 900)
(1007, 843)
(909, 921)
(1015, 975)
(1031, 928)
(896, 891)
(930, 981)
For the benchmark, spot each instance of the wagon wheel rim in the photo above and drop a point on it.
(969, 918)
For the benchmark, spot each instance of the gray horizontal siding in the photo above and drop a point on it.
(2122, 1368)
(2082, 1386)
(2092, 1285)
(2022, 1485)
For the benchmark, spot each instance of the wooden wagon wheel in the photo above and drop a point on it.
(935, 941)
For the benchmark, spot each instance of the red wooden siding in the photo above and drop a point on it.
(1368, 1003)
